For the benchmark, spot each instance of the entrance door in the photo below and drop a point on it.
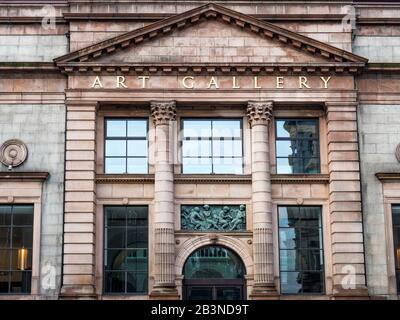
(214, 273)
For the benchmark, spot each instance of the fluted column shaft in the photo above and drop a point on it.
(164, 114)
(259, 114)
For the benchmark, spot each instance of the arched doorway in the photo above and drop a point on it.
(213, 273)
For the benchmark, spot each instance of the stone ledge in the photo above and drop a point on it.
(300, 178)
(211, 178)
(23, 176)
(124, 178)
(388, 176)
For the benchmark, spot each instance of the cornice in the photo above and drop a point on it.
(212, 68)
(124, 178)
(388, 176)
(212, 179)
(29, 67)
(23, 176)
(211, 11)
(300, 178)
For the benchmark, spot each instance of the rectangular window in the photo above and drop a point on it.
(126, 249)
(297, 146)
(212, 146)
(16, 237)
(126, 146)
(396, 240)
(301, 250)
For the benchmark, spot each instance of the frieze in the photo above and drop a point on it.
(213, 217)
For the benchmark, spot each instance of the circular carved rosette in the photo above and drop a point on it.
(13, 153)
(398, 152)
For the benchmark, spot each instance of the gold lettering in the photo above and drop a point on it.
(121, 82)
(234, 83)
(186, 85)
(144, 78)
(97, 83)
(214, 83)
(303, 83)
(279, 82)
(256, 86)
(325, 81)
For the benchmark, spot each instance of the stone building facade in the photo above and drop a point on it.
(185, 150)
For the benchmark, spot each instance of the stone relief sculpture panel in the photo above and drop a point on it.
(213, 217)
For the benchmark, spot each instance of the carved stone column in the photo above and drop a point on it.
(164, 115)
(259, 114)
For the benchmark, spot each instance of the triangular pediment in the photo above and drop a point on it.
(210, 35)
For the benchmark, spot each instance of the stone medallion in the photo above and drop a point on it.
(13, 153)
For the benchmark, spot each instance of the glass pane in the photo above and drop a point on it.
(289, 216)
(137, 148)
(289, 238)
(136, 282)
(22, 237)
(311, 165)
(20, 282)
(396, 214)
(312, 282)
(227, 148)
(309, 260)
(5, 234)
(283, 166)
(307, 129)
(213, 262)
(286, 128)
(115, 216)
(22, 215)
(5, 215)
(115, 282)
(137, 216)
(115, 259)
(5, 259)
(21, 259)
(196, 128)
(116, 128)
(228, 165)
(291, 282)
(4, 280)
(196, 165)
(310, 238)
(136, 260)
(196, 148)
(289, 260)
(137, 165)
(137, 238)
(115, 148)
(229, 293)
(284, 148)
(226, 128)
(115, 165)
(200, 293)
(310, 217)
(116, 237)
(137, 128)
(398, 280)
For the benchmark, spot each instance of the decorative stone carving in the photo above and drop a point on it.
(259, 112)
(13, 153)
(217, 218)
(398, 152)
(163, 111)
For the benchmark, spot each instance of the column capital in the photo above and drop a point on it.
(163, 111)
(259, 112)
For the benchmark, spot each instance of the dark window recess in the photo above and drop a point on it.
(126, 146)
(126, 250)
(212, 146)
(297, 146)
(396, 240)
(16, 237)
(301, 250)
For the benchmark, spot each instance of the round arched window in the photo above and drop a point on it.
(215, 262)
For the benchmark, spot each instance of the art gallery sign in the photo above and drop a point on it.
(190, 82)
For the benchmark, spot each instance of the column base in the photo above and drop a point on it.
(164, 293)
(264, 292)
(360, 293)
(78, 292)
